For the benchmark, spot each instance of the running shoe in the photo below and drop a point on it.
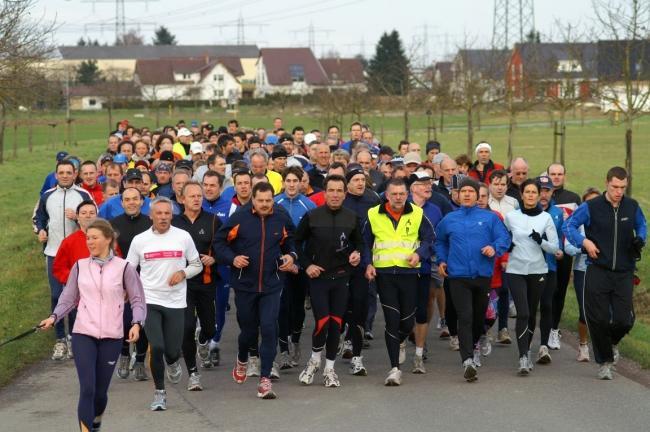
(215, 355)
(295, 355)
(68, 345)
(275, 371)
(394, 378)
(470, 372)
(444, 330)
(523, 369)
(330, 379)
(615, 354)
(439, 324)
(477, 357)
(347, 350)
(159, 400)
(543, 356)
(605, 372)
(583, 353)
(357, 368)
(368, 335)
(253, 367)
(402, 352)
(174, 372)
(241, 371)
(60, 351)
(307, 303)
(529, 357)
(504, 337)
(486, 345)
(344, 331)
(307, 375)
(554, 339)
(139, 372)
(194, 383)
(123, 366)
(265, 389)
(512, 310)
(454, 344)
(285, 360)
(203, 352)
(418, 365)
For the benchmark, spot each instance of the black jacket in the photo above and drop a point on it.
(360, 204)
(563, 196)
(128, 227)
(203, 232)
(326, 237)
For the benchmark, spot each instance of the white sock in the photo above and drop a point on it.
(315, 356)
(419, 351)
(214, 344)
(329, 364)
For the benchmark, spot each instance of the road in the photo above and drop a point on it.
(563, 396)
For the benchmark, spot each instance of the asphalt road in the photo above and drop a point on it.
(562, 396)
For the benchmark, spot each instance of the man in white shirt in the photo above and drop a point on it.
(499, 201)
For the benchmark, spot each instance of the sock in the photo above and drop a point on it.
(329, 364)
(192, 370)
(419, 351)
(315, 356)
(213, 345)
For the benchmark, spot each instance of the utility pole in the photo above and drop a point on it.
(311, 34)
(120, 13)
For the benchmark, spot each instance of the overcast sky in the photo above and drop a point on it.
(345, 26)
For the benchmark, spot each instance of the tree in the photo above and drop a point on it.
(81, 42)
(88, 73)
(130, 38)
(164, 37)
(389, 69)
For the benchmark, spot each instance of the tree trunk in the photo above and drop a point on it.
(157, 115)
(407, 125)
(470, 131)
(3, 123)
(628, 157)
(30, 130)
(563, 136)
(15, 143)
(442, 120)
(511, 135)
(478, 118)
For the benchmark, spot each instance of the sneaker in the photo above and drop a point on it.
(214, 357)
(330, 379)
(418, 365)
(554, 339)
(68, 345)
(444, 332)
(529, 358)
(203, 353)
(253, 369)
(194, 383)
(470, 372)
(347, 350)
(615, 354)
(523, 369)
(307, 303)
(241, 371)
(605, 372)
(60, 351)
(307, 375)
(477, 357)
(454, 344)
(139, 372)
(174, 372)
(512, 310)
(394, 378)
(543, 357)
(285, 360)
(486, 345)
(132, 360)
(357, 368)
(265, 389)
(123, 366)
(295, 355)
(275, 371)
(402, 352)
(159, 400)
(440, 323)
(583, 353)
(368, 335)
(504, 337)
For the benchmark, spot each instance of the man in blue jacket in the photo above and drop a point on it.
(258, 243)
(467, 241)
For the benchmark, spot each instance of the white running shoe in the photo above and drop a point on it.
(123, 366)
(295, 355)
(486, 345)
(454, 344)
(394, 378)
(60, 351)
(253, 369)
(402, 352)
(194, 383)
(583, 353)
(347, 350)
(174, 372)
(330, 379)
(203, 352)
(357, 368)
(285, 360)
(504, 337)
(605, 372)
(477, 357)
(68, 344)
(469, 370)
(616, 355)
(543, 356)
(159, 400)
(307, 375)
(523, 366)
(275, 371)
(418, 365)
(554, 339)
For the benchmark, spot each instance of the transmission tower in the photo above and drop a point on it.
(311, 34)
(513, 20)
(120, 14)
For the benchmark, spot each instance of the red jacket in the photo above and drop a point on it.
(499, 264)
(484, 176)
(72, 249)
(95, 192)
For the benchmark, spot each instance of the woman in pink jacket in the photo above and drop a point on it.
(96, 287)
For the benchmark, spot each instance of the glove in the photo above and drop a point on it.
(512, 246)
(637, 248)
(536, 237)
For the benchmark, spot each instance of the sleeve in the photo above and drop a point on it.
(427, 238)
(69, 298)
(640, 225)
(225, 236)
(133, 257)
(501, 235)
(356, 237)
(571, 226)
(287, 245)
(442, 242)
(104, 211)
(194, 265)
(61, 265)
(552, 244)
(41, 217)
(368, 241)
(570, 249)
(301, 237)
(135, 292)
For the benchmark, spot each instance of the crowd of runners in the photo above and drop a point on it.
(145, 244)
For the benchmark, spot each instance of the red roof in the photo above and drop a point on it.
(277, 62)
(343, 70)
(161, 71)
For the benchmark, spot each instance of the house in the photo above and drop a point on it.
(344, 73)
(97, 96)
(624, 88)
(443, 72)
(289, 71)
(552, 70)
(207, 79)
(480, 68)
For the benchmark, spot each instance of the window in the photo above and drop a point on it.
(220, 93)
(92, 102)
(297, 73)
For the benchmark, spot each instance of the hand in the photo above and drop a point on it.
(313, 271)
(504, 265)
(240, 261)
(413, 260)
(134, 333)
(537, 238)
(288, 263)
(488, 251)
(442, 269)
(70, 214)
(355, 258)
(371, 272)
(294, 269)
(559, 255)
(177, 278)
(46, 323)
(637, 248)
(42, 236)
(591, 248)
(207, 260)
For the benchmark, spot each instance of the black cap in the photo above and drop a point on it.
(278, 152)
(433, 145)
(167, 156)
(385, 150)
(185, 164)
(468, 181)
(353, 169)
(222, 130)
(285, 137)
(133, 174)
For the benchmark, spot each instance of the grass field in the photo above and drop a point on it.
(24, 294)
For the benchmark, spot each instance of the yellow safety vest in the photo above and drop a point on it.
(393, 246)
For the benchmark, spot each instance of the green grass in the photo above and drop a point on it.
(24, 293)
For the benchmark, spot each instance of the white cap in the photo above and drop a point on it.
(196, 148)
(412, 157)
(184, 132)
(310, 138)
(482, 145)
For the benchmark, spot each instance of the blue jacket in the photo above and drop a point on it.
(360, 204)
(558, 219)
(462, 234)
(434, 214)
(220, 206)
(48, 183)
(296, 207)
(113, 207)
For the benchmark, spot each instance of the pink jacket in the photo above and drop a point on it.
(97, 291)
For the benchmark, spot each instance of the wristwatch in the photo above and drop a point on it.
(140, 323)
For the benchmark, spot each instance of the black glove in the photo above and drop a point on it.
(512, 246)
(637, 247)
(536, 237)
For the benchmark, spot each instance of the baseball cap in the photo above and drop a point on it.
(196, 148)
(271, 140)
(194, 123)
(120, 158)
(167, 156)
(184, 132)
(412, 157)
(61, 155)
(419, 176)
(163, 167)
(184, 164)
(286, 137)
(133, 174)
(106, 158)
(545, 182)
(310, 138)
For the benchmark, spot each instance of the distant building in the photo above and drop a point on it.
(484, 67)
(291, 71)
(344, 73)
(98, 96)
(613, 57)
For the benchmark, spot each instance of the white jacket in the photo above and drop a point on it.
(527, 257)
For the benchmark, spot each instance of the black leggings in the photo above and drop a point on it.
(546, 307)
(357, 312)
(298, 284)
(564, 269)
(471, 299)
(526, 291)
(164, 326)
(398, 295)
(200, 304)
(451, 317)
(141, 345)
(284, 318)
(424, 288)
(329, 298)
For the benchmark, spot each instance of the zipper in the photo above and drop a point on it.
(259, 289)
(64, 195)
(615, 237)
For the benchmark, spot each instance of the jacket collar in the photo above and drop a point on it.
(408, 207)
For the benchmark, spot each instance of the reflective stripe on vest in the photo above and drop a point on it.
(393, 246)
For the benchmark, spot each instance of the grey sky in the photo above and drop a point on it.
(345, 26)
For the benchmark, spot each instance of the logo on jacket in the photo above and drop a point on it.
(408, 226)
(202, 232)
(343, 243)
(480, 223)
